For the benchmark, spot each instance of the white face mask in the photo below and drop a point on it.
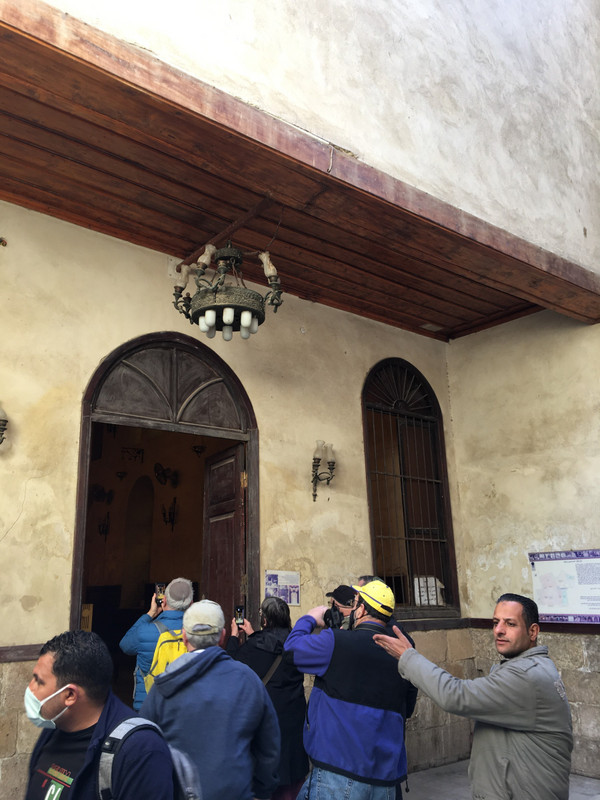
(33, 708)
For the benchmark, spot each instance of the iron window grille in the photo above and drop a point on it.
(408, 490)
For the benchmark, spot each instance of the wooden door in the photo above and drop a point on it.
(172, 382)
(224, 542)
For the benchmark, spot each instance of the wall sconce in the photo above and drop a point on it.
(322, 450)
(3, 424)
(170, 514)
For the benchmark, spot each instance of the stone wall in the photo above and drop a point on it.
(17, 734)
(434, 737)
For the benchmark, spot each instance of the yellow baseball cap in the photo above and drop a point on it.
(379, 596)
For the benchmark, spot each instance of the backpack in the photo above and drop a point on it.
(168, 647)
(185, 774)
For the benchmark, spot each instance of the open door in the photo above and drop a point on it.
(164, 409)
(224, 578)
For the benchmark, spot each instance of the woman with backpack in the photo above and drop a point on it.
(263, 653)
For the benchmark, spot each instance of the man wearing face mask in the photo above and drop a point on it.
(69, 697)
(354, 731)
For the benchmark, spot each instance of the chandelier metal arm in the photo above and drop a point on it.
(261, 206)
(273, 296)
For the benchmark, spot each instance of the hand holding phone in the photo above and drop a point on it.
(239, 615)
(160, 593)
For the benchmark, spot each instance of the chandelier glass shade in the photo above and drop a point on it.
(223, 302)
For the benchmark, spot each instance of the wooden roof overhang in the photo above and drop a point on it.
(102, 134)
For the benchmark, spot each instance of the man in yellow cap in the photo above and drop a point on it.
(356, 693)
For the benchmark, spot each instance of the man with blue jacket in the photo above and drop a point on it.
(354, 733)
(140, 640)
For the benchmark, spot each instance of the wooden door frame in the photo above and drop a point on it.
(248, 433)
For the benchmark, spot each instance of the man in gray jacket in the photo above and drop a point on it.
(523, 737)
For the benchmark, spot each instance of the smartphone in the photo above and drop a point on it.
(160, 593)
(239, 615)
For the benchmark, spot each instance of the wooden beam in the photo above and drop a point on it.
(261, 206)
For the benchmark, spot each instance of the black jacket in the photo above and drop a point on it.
(286, 690)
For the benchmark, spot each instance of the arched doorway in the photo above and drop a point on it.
(168, 483)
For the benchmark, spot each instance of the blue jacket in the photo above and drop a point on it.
(357, 708)
(140, 640)
(142, 767)
(218, 712)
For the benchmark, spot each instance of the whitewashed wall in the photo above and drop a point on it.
(490, 105)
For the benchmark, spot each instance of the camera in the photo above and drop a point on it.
(333, 617)
(239, 615)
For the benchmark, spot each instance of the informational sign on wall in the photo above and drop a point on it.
(566, 585)
(279, 583)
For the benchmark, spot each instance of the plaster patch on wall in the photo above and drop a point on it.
(30, 601)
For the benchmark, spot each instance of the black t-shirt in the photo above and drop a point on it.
(58, 765)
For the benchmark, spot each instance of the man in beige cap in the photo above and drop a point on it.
(217, 710)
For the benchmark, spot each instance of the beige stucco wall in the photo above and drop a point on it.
(71, 297)
(526, 427)
(490, 106)
(519, 401)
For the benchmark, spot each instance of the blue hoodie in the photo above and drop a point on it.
(218, 712)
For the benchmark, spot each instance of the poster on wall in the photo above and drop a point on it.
(566, 585)
(279, 583)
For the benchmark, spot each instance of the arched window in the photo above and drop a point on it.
(408, 490)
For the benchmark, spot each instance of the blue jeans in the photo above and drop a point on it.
(324, 785)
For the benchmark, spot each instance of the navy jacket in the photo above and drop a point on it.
(140, 640)
(357, 708)
(142, 768)
(218, 712)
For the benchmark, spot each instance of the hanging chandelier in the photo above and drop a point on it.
(222, 301)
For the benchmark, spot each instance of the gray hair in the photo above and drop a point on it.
(179, 594)
(202, 641)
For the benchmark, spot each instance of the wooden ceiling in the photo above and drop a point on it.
(99, 133)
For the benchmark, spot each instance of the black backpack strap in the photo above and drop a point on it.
(111, 746)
